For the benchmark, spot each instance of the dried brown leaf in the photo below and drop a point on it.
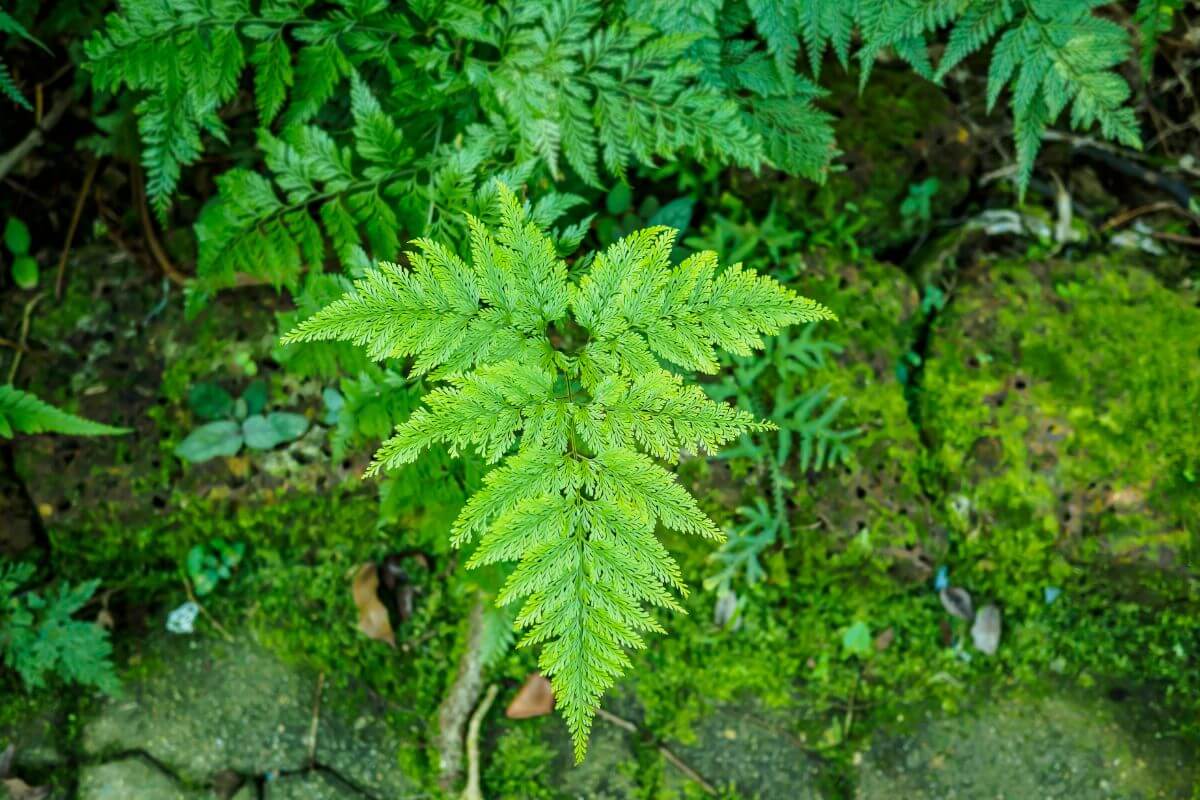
(372, 614)
(535, 699)
(20, 790)
(957, 602)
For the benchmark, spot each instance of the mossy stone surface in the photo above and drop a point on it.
(312, 785)
(37, 734)
(1061, 401)
(210, 706)
(610, 771)
(131, 778)
(747, 748)
(879, 494)
(1060, 747)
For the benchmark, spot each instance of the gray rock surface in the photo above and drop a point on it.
(131, 778)
(212, 706)
(608, 773)
(208, 706)
(362, 749)
(311, 786)
(753, 750)
(1050, 748)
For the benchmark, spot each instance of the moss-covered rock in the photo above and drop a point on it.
(1061, 403)
(207, 707)
(746, 748)
(311, 785)
(133, 777)
(879, 494)
(211, 706)
(1058, 747)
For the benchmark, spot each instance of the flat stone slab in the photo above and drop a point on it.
(212, 706)
(131, 778)
(748, 748)
(311, 785)
(1051, 748)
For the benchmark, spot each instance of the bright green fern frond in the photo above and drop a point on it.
(657, 413)
(9, 88)
(1154, 18)
(25, 413)
(327, 195)
(484, 410)
(685, 312)
(560, 385)
(451, 315)
(530, 474)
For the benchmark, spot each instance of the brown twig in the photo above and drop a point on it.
(138, 186)
(675, 760)
(1177, 238)
(187, 587)
(35, 137)
(26, 317)
(11, 345)
(473, 790)
(1133, 213)
(75, 215)
(316, 719)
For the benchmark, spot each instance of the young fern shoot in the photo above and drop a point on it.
(562, 384)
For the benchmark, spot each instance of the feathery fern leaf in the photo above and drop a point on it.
(539, 364)
(23, 412)
(9, 89)
(617, 94)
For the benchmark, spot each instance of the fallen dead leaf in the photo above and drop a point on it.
(986, 630)
(20, 790)
(957, 602)
(884, 640)
(1126, 498)
(535, 699)
(372, 615)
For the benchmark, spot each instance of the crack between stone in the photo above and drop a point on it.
(260, 781)
(41, 537)
(920, 346)
(326, 770)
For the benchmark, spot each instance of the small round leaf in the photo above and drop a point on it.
(255, 397)
(210, 401)
(25, 272)
(212, 440)
(265, 432)
(16, 237)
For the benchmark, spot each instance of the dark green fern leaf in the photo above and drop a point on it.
(22, 412)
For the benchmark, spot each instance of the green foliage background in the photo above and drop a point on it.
(289, 147)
